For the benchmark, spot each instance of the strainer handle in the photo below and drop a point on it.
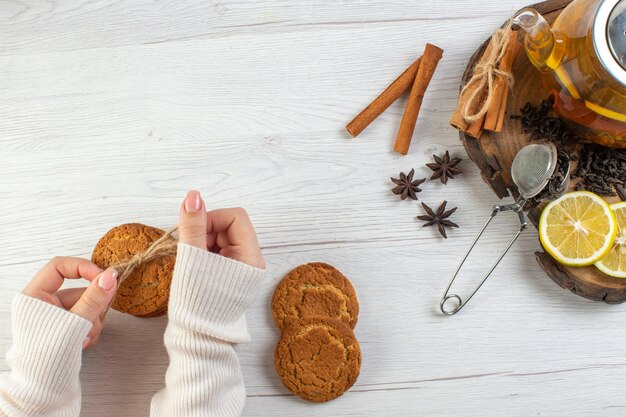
(517, 207)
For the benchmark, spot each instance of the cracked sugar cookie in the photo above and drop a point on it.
(314, 290)
(318, 359)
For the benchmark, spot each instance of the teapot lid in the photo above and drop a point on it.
(609, 37)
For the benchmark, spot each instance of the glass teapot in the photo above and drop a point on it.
(585, 51)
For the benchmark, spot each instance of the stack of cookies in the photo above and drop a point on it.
(317, 357)
(146, 291)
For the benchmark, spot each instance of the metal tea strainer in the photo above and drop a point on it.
(533, 167)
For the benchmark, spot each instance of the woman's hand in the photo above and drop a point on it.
(89, 302)
(227, 232)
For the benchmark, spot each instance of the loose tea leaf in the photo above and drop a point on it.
(600, 169)
(536, 121)
(406, 186)
(439, 218)
(444, 168)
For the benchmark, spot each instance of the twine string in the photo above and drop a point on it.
(482, 83)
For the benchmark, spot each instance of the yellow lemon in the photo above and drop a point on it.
(577, 229)
(614, 262)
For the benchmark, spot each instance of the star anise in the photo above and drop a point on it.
(406, 186)
(444, 167)
(440, 218)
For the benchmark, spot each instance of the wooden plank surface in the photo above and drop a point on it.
(111, 110)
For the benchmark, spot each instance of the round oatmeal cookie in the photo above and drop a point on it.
(146, 291)
(318, 359)
(314, 290)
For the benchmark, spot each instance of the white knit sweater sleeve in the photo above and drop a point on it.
(44, 361)
(208, 298)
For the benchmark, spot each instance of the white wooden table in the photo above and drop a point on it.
(111, 110)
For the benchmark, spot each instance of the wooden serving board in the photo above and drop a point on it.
(494, 153)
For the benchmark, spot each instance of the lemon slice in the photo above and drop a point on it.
(577, 229)
(614, 262)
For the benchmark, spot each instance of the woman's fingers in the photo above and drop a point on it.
(225, 231)
(232, 224)
(234, 236)
(97, 297)
(70, 296)
(222, 240)
(50, 278)
(192, 224)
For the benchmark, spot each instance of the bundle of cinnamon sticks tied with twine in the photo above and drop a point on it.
(482, 101)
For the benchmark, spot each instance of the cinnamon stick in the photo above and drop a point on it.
(457, 120)
(430, 59)
(496, 110)
(384, 100)
(500, 124)
(501, 114)
(475, 129)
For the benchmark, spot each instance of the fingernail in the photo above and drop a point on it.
(86, 341)
(193, 202)
(108, 279)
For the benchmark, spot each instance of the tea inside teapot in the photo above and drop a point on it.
(585, 50)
